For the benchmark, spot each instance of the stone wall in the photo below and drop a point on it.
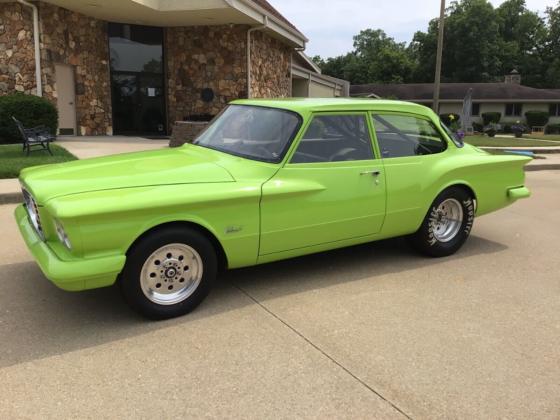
(72, 38)
(270, 67)
(66, 38)
(17, 62)
(202, 57)
(185, 132)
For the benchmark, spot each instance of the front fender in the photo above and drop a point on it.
(110, 221)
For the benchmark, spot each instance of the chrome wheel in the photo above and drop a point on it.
(171, 274)
(446, 220)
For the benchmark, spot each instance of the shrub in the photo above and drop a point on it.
(506, 129)
(477, 127)
(491, 117)
(31, 110)
(553, 129)
(537, 118)
(450, 118)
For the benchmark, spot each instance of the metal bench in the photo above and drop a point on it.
(34, 137)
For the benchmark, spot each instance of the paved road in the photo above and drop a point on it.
(368, 332)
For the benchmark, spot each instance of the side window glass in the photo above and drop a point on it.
(401, 135)
(335, 138)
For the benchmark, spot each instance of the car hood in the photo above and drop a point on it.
(140, 169)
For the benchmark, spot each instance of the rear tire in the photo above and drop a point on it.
(169, 272)
(447, 225)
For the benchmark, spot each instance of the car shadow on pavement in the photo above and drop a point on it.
(38, 320)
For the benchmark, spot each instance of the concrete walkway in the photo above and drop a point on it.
(84, 147)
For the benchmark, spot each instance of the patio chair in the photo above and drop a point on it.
(34, 137)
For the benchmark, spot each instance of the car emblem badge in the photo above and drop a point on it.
(234, 229)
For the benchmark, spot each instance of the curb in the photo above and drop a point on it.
(11, 198)
(535, 151)
(537, 167)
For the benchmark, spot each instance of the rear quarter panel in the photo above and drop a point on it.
(414, 182)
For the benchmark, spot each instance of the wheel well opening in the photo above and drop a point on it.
(220, 253)
(469, 191)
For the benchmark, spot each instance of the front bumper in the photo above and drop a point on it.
(75, 275)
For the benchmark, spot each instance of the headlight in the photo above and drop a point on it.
(33, 213)
(62, 237)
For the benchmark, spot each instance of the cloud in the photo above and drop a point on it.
(330, 24)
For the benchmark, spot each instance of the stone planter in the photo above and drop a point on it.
(185, 131)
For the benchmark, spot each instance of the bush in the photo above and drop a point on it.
(491, 117)
(477, 127)
(31, 110)
(506, 129)
(537, 118)
(450, 118)
(553, 129)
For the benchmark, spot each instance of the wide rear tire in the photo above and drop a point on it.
(447, 225)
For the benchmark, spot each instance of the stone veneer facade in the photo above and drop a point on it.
(66, 38)
(271, 64)
(196, 58)
(17, 65)
(71, 38)
(201, 57)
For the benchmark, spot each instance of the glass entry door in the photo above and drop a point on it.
(137, 88)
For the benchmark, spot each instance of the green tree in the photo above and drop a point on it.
(552, 51)
(375, 58)
(522, 41)
(471, 44)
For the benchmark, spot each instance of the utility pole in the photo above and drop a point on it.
(439, 55)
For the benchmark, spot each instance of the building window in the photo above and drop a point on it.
(555, 110)
(475, 110)
(514, 110)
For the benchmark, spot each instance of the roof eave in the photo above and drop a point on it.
(260, 15)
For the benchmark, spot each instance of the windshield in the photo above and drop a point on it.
(458, 140)
(253, 132)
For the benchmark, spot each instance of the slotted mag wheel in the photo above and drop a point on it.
(171, 274)
(448, 220)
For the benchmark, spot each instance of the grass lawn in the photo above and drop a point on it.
(551, 137)
(13, 159)
(486, 141)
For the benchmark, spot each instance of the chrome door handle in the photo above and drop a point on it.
(373, 173)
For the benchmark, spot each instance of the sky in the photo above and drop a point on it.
(331, 24)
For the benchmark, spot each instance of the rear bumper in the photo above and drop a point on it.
(75, 275)
(518, 193)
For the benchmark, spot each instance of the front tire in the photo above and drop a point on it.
(169, 272)
(447, 225)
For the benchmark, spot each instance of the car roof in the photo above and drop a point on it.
(338, 104)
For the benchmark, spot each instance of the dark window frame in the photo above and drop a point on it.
(554, 109)
(513, 109)
(475, 106)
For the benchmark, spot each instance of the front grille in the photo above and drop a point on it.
(33, 213)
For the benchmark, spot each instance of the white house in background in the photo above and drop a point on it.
(308, 82)
(509, 98)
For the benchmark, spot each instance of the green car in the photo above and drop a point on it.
(267, 180)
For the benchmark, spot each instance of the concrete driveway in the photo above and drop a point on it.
(373, 331)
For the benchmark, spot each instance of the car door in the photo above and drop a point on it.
(411, 147)
(332, 187)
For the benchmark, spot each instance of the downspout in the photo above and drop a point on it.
(38, 81)
(257, 28)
